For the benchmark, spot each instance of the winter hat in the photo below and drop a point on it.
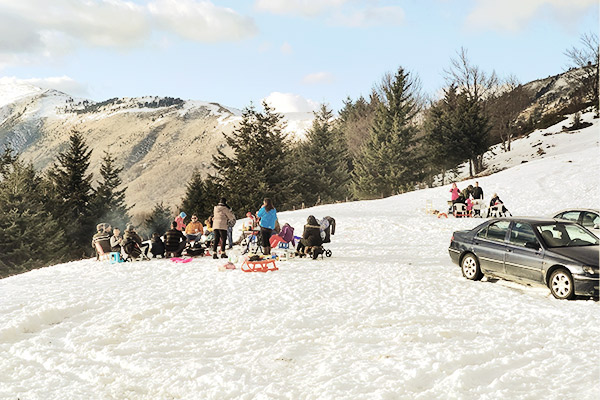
(182, 214)
(129, 227)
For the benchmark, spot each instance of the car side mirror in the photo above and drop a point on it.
(532, 245)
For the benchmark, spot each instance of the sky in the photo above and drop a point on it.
(296, 54)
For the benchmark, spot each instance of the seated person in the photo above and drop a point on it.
(116, 240)
(132, 243)
(310, 237)
(495, 201)
(209, 223)
(158, 247)
(175, 241)
(194, 229)
(101, 238)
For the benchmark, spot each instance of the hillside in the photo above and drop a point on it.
(388, 316)
(155, 139)
(164, 139)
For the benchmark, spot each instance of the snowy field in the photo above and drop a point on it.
(389, 316)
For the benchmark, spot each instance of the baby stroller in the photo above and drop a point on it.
(327, 226)
(253, 242)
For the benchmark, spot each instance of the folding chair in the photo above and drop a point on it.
(102, 256)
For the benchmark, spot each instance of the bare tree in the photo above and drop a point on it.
(587, 58)
(470, 78)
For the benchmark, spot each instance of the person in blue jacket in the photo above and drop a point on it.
(268, 216)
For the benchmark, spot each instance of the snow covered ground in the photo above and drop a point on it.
(389, 316)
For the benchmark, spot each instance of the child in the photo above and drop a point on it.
(158, 247)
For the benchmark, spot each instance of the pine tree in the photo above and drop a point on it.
(444, 146)
(322, 174)
(389, 161)
(109, 202)
(30, 237)
(159, 220)
(471, 128)
(259, 166)
(200, 197)
(72, 194)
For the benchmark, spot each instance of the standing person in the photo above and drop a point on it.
(477, 192)
(455, 192)
(478, 199)
(180, 221)
(194, 229)
(268, 216)
(230, 225)
(222, 215)
(175, 241)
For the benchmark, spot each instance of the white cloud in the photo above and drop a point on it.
(318, 78)
(42, 28)
(289, 102)
(286, 48)
(512, 15)
(308, 8)
(370, 16)
(62, 83)
(201, 20)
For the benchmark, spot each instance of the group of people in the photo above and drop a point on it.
(108, 239)
(473, 195)
(218, 229)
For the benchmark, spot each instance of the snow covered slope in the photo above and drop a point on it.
(389, 316)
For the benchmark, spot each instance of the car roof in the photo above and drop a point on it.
(532, 220)
(577, 209)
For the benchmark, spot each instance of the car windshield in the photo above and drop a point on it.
(566, 235)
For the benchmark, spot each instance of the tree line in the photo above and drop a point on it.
(389, 142)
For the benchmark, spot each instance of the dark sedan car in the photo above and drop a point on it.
(555, 253)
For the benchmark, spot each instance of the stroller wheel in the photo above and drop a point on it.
(327, 253)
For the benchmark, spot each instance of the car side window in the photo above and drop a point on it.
(522, 235)
(571, 216)
(497, 231)
(590, 219)
(482, 233)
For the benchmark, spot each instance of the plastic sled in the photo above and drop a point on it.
(181, 260)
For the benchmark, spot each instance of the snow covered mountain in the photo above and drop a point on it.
(155, 139)
(388, 316)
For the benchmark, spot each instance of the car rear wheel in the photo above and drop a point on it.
(470, 267)
(561, 284)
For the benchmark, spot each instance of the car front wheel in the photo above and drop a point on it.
(470, 267)
(561, 284)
